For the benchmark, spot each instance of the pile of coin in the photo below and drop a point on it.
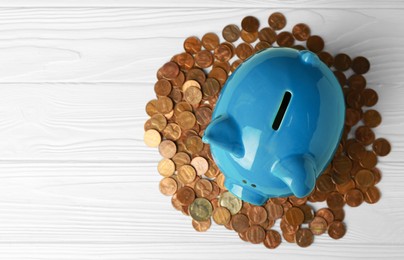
(187, 89)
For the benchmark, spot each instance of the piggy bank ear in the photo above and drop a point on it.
(223, 132)
(298, 172)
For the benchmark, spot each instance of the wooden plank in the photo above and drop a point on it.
(104, 121)
(130, 44)
(209, 3)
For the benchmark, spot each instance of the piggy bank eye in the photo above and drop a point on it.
(253, 185)
(281, 111)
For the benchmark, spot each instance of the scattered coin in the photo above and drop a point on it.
(187, 88)
(200, 209)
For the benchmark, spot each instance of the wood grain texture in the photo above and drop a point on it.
(77, 182)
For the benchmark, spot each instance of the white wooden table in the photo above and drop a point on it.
(77, 182)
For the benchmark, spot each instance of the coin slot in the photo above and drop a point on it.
(282, 109)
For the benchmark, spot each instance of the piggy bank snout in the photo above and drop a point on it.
(223, 132)
(298, 172)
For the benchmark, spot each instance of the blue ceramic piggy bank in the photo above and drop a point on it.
(276, 125)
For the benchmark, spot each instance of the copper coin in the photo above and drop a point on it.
(224, 65)
(211, 87)
(339, 214)
(381, 147)
(304, 237)
(360, 65)
(194, 144)
(272, 239)
(285, 39)
(201, 226)
(370, 97)
(151, 107)
(157, 122)
(192, 45)
(257, 214)
(326, 214)
(301, 31)
(152, 138)
(318, 225)
(172, 132)
(357, 82)
(340, 77)
(297, 201)
(186, 174)
(204, 59)
(168, 186)
(342, 62)
(354, 197)
(327, 58)
(240, 223)
(210, 41)
(203, 115)
(179, 80)
(377, 175)
(223, 53)
(185, 196)
(369, 160)
(274, 211)
(231, 33)
(342, 164)
(256, 234)
(186, 120)
(267, 34)
(364, 135)
(335, 200)
(354, 99)
(324, 183)
(315, 43)
(244, 50)
(286, 227)
(340, 178)
(187, 84)
(164, 105)
(162, 87)
(200, 164)
(181, 158)
(170, 70)
(203, 187)
(308, 213)
(372, 195)
(219, 74)
(356, 151)
(175, 95)
(352, 116)
(294, 216)
(336, 230)
(277, 21)
(197, 75)
(166, 167)
(262, 45)
(249, 37)
(372, 118)
(193, 95)
(235, 64)
(181, 107)
(184, 60)
(364, 178)
(221, 216)
(250, 24)
(345, 187)
(167, 148)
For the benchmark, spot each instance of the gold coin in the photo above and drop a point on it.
(231, 202)
(186, 174)
(201, 209)
(221, 216)
(166, 167)
(152, 138)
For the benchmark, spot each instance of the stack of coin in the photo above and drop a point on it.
(187, 89)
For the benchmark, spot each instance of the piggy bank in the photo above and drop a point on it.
(276, 125)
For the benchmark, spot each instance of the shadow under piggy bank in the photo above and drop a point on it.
(276, 124)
